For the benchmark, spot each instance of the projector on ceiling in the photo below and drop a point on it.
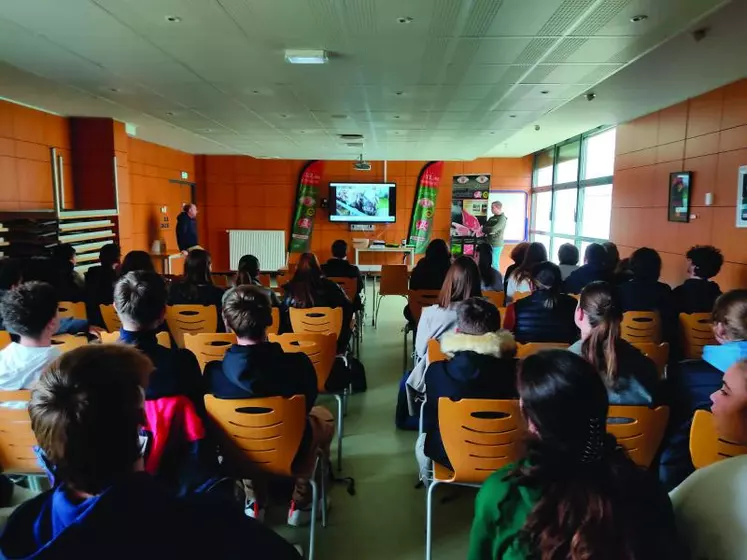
(361, 165)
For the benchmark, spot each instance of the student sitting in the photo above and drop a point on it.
(481, 366)
(140, 301)
(520, 279)
(30, 311)
(254, 367)
(100, 282)
(248, 275)
(709, 505)
(196, 287)
(692, 381)
(517, 255)
(86, 413)
(698, 293)
(136, 260)
(630, 377)
(431, 270)
(69, 284)
(613, 256)
(491, 279)
(575, 493)
(546, 315)
(594, 270)
(568, 258)
(339, 267)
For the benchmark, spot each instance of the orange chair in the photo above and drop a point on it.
(577, 297)
(66, 342)
(72, 310)
(220, 279)
(190, 319)
(706, 447)
(395, 280)
(697, 332)
(496, 298)
(265, 280)
(17, 440)
(639, 429)
(435, 354)
(524, 350)
(520, 295)
(275, 326)
(350, 287)
(263, 436)
(163, 338)
(112, 322)
(658, 353)
(418, 299)
(641, 326)
(480, 436)
(4, 339)
(502, 311)
(208, 347)
(316, 320)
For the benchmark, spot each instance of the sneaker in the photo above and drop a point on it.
(300, 517)
(253, 510)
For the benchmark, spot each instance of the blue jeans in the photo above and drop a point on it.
(497, 257)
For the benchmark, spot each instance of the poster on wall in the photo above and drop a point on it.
(424, 206)
(307, 199)
(742, 198)
(469, 212)
(679, 197)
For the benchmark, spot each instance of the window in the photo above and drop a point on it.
(572, 192)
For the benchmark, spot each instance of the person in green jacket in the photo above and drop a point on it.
(575, 493)
(493, 229)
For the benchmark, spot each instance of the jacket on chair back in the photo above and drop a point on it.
(533, 322)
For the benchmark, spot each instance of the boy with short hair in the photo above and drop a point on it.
(29, 311)
(698, 293)
(86, 412)
(568, 257)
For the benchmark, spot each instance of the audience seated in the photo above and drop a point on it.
(568, 258)
(613, 257)
(481, 365)
(517, 255)
(430, 272)
(310, 288)
(100, 281)
(521, 278)
(339, 267)
(546, 315)
(693, 381)
(698, 293)
(248, 275)
(630, 377)
(595, 268)
(86, 413)
(254, 367)
(136, 260)
(491, 279)
(140, 301)
(196, 286)
(575, 493)
(69, 283)
(30, 311)
(709, 505)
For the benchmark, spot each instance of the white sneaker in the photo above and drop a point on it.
(252, 509)
(300, 517)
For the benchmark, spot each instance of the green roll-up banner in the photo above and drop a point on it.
(307, 199)
(424, 206)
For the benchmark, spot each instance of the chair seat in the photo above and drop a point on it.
(441, 473)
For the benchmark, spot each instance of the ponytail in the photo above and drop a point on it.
(601, 347)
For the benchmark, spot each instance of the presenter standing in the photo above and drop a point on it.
(493, 229)
(186, 229)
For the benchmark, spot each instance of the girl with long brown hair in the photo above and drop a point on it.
(196, 287)
(521, 278)
(574, 495)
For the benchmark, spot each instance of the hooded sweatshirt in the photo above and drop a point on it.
(135, 518)
(21, 366)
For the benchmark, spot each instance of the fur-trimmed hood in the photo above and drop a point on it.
(499, 344)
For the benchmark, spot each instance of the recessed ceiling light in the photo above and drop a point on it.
(306, 56)
(173, 19)
(405, 19)
(351, 136)
(639, 18)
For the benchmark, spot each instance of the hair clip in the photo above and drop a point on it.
(594, 446)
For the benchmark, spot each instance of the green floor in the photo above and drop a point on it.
(386, 518)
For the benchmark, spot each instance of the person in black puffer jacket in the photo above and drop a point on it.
(546, 315)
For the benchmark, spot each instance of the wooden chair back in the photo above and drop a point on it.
(435, 354)
(348, 285)
(639, 429)
(66, 342)
(696, 331)
(292, 270)
(208, 347)
(17, 440)
(190, 319)
(577, 297)
(320, 348)
(706, 447)
(274, 328)
(220, 279)
(521, 295)
(112, 322)
(418, 299)
(72, 310)
(395, 280)
(641, 326)
(496, 298)
(480, 436)
(524, 350)
(265, 279)
(258, 435)
(502, 311)
(163, 338)
(657, 353)
(4, 339)
(316, 320)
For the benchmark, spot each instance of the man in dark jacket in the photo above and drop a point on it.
(595, 269)
(698, 294)
(186, 229)
(481, 366)
(339, 267)
(86, 413)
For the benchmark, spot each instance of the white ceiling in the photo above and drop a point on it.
(464, 79)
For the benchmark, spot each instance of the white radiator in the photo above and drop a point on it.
(267, 245)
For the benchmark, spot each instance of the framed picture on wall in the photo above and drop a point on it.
(742, 197)
(679, 196)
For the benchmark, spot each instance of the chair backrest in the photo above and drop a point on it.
(275, 326)
(259, 434)
(208, 347)
(480, 436)
(641, 326)
(190, 319)
(395, 280)
(4, 339)
(292, 270)
(265, 280)
(657, 353)
(348, 285)
(320, 348)
(417, 299)
(220, 279)
(435, 354)
(316, 320)
(502, 311)
(163, 338)
(66, 342)
(72, 310)
(697, 332)
(524, 350)
(496, 298)
(521, 295)
(17, 440)
(639, 429)
(112, 322)
(706, 447)
(577, 297)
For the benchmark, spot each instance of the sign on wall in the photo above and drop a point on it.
(742, 198)
(469, 212)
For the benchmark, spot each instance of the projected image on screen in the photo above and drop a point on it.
(358, 201)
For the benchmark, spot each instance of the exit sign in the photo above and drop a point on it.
(185, 175)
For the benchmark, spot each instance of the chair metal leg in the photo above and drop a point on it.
(346, 399)
(315, 499)
(35, 483)
(323, 463)
(376, 312)
(340, 425)
(429, 521)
